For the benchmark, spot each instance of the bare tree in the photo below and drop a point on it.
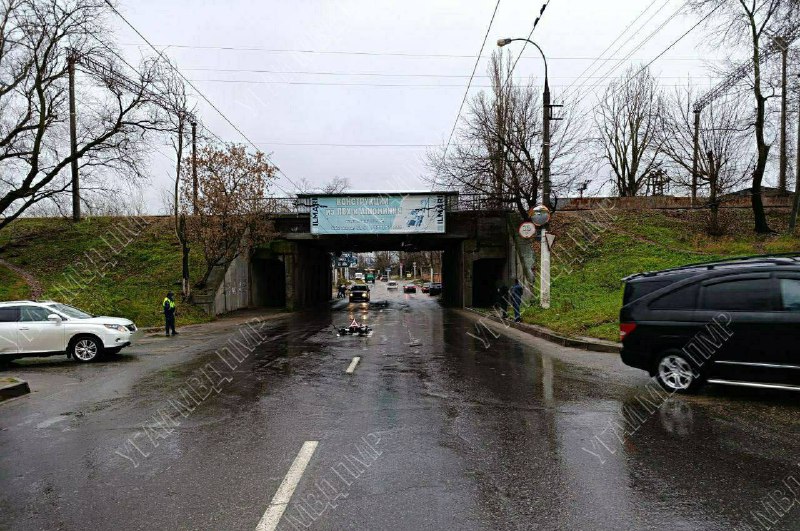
(628, 119)
(752, 24)
(497, 150)
(36, 38)
(179, 116)
(337, 185)
(724, 163)
(231, 203)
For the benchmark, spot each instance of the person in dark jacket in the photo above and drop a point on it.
(502, 299)
(169, 313)
(516, 299)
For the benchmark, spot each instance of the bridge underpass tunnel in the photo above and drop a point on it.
(309, 272)
(484, 290)
(479, 247)
(268, 273)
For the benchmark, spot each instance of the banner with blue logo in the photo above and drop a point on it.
(378, 214)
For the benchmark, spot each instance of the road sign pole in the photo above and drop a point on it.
(544, 272)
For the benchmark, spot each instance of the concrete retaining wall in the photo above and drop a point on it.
(234, 291)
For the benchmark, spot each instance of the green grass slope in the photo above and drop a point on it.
(587, 295)
(108, 266)
(12, 286)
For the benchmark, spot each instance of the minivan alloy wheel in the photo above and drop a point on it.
(675, 373)
(85, 349)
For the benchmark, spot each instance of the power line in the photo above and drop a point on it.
(375, 74)
(616, 39)
(469, 84)
(334, 144)
(525, 43)
(377, 85)
(672, 45)
(381, 54)
(187, 80)
(95, 64)
(636, 48)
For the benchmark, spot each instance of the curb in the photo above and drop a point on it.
(594, 345)
(11, 387)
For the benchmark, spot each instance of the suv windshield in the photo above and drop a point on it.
(69, 311)
(359, 288)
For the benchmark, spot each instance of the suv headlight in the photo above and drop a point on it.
(118, 328)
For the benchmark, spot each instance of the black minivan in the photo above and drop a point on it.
(734, 322)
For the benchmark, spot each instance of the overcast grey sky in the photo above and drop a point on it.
(429, 46)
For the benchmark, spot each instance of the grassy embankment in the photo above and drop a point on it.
(128, 280)
(587, 300)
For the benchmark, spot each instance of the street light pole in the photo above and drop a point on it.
(546, 117)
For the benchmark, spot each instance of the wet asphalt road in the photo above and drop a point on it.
(434, 429)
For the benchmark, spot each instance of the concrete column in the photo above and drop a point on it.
(468, 253)
(452, 276)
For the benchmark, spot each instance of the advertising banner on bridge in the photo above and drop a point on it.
(378, 214)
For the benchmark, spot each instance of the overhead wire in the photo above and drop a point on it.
(668, 48)
(200, 93)
(466, 91)
(378, 54)
(364, 74)
(525, 44)
(343, 84)
(619, 36)
(636, 48)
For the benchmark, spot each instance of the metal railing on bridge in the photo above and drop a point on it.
(454, 202)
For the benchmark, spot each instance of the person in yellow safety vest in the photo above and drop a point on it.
(169, 313)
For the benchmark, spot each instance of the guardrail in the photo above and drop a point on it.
(453, 203)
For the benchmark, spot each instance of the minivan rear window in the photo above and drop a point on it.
(746, 295)
(637, 290)
(680, 299)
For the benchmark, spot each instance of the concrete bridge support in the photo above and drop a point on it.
(291, 275)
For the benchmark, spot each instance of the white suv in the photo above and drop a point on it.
(47, 328)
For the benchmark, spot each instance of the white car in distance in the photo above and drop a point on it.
(50, 328)
(392, 284)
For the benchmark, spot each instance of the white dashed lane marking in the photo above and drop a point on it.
(353, 364)
(280, 501)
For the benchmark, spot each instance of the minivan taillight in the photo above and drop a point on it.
(625, 329)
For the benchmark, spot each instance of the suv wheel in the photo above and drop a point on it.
(676, 374)
(86, 349)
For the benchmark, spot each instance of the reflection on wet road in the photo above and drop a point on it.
(430, 430)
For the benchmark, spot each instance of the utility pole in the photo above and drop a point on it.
(73, 140)
(546, 145)
(545, 121)
(695, 153)
(544, 271)
(783, 45)
(796, 202)
(194, 167)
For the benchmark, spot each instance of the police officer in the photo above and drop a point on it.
(169, 313)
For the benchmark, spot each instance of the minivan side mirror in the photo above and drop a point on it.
(55, 318)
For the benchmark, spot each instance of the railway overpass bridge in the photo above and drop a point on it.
(479, 245)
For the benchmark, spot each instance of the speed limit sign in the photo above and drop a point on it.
(527, 229)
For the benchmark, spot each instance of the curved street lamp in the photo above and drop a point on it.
(545, 122)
